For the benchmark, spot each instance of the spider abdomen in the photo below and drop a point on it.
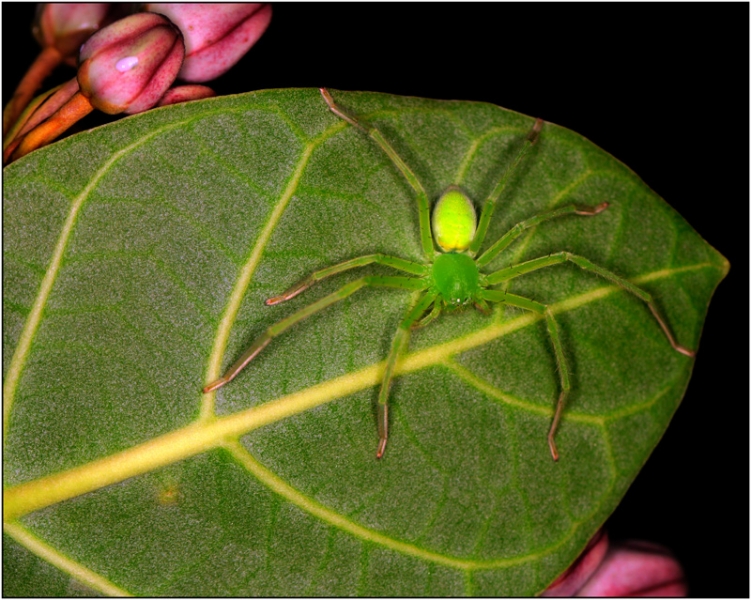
(456, 278)
(454, 221)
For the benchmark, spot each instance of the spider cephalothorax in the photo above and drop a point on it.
(450, 277)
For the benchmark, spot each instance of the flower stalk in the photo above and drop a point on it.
(60, 29)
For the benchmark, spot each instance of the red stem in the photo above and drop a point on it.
(40, 69)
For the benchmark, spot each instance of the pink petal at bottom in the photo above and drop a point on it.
(574, 578)
(637, 568)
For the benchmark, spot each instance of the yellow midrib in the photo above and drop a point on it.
(205, 435)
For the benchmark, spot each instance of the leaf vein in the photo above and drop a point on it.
(244, 279)
(475, 147)
(201, 436)
(276, 484)
(20, 355)
(249, 268)
(56, 558)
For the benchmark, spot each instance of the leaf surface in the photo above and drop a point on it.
(137, 259)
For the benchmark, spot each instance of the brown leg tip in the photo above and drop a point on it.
(535, 133)
(591, 211)
(214, 385)
(381, 448)
(553, 449)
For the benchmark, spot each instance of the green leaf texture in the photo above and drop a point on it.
(137, 258)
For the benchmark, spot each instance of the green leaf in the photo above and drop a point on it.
(137, 257)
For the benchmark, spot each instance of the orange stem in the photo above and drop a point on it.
(40, 69)
(74, 110)
(23, 120)
(44, 111)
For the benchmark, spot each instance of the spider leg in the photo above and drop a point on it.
(398, 345)
(402, 283)
(423, 205)
(519, 228)
(585, 264)
(428, 317)
(560, 357)
(381, 259)
(489, 206)
(483, 307)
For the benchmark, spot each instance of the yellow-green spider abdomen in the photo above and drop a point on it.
(454, 221)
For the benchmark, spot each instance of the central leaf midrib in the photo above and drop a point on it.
(201, 436)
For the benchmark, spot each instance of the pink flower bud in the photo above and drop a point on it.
(128, 66)
(637, 568)
(579, 573)
(186, 93)
(67, 26)
(627, 569)
(216, 35)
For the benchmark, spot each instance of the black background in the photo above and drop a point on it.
(663, 88)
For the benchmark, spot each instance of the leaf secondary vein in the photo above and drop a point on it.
(201, 436)
(524, 243)
(249, 269)
(53, 556)
(275, 483)
(21, 353)
(474, 148)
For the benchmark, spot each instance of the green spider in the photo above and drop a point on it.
(450, 279)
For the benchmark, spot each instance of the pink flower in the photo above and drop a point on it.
(632, 568)
(216, 35)
(67, 26)
(186, 93)
(128, 66)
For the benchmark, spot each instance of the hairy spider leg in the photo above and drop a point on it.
(402, 283)
(489, 206)
(428, 317)
(401, 339)
(560, 358)
(423, 205)
(398, 346)
(585, 264)
(361, 261)
(519, 228)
